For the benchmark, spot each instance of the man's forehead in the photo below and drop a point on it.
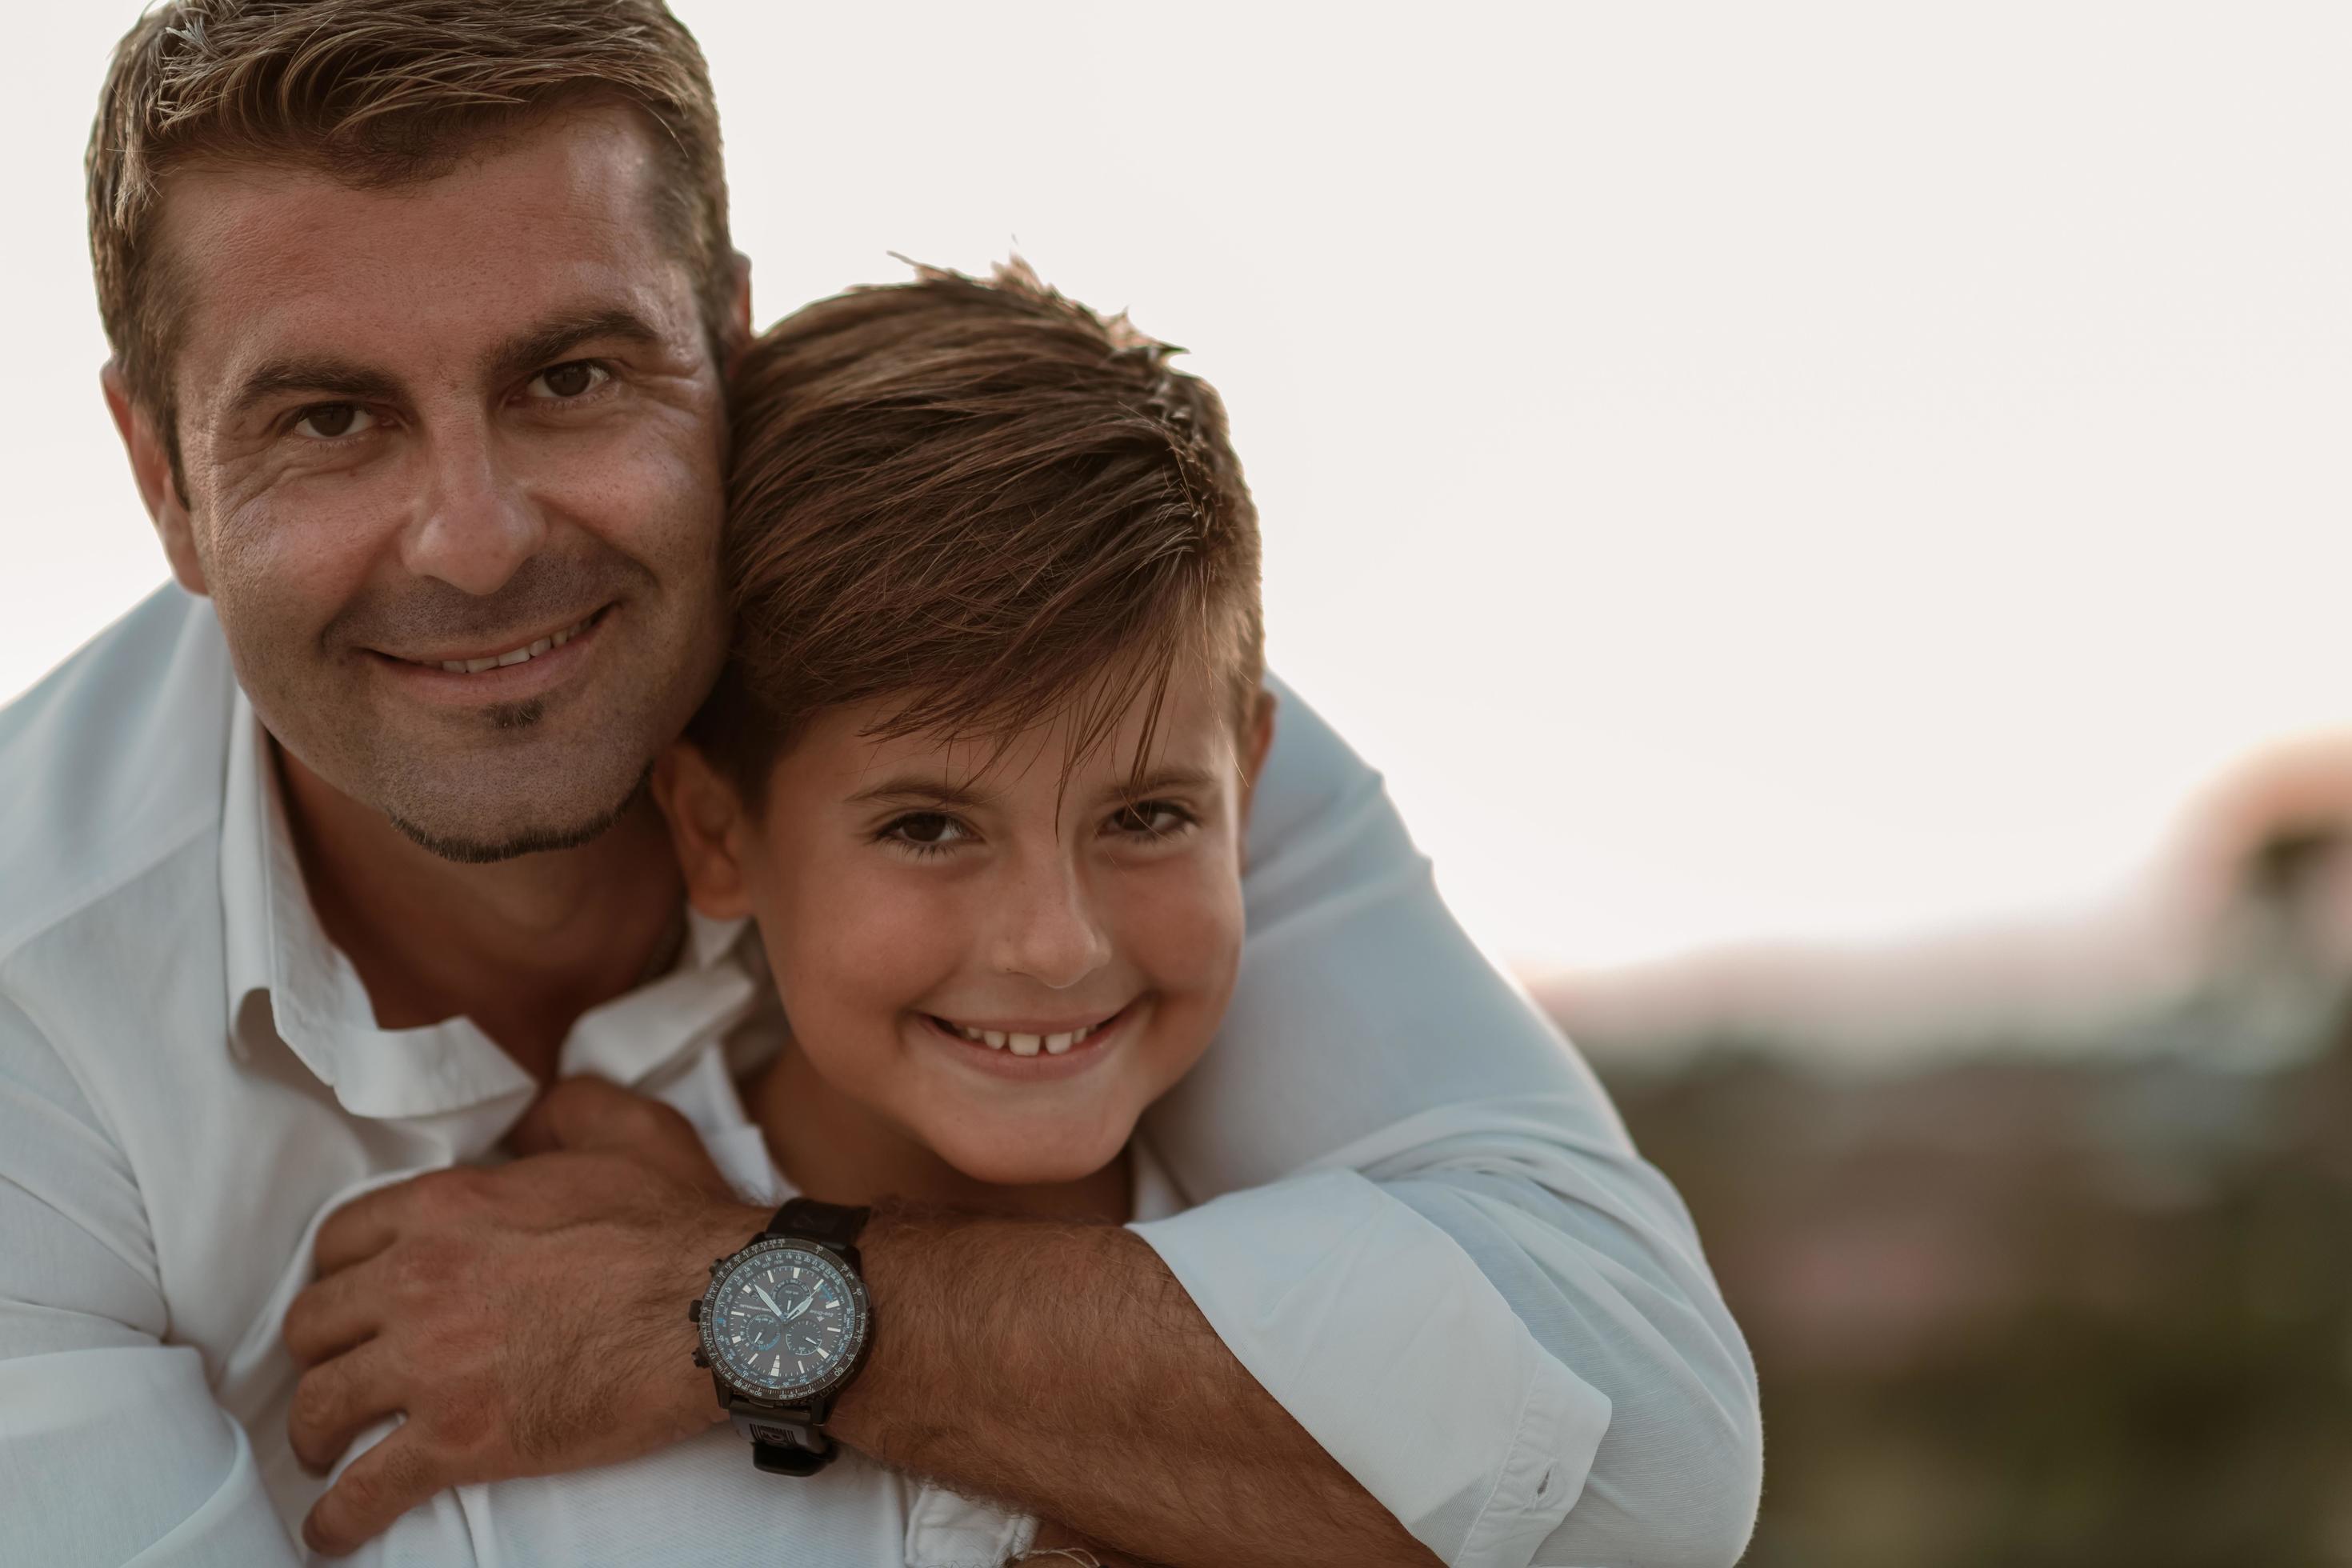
(273, 260)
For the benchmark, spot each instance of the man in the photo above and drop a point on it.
(321, 863)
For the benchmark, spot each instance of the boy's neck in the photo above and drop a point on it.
(833, 1147)
(522, 947)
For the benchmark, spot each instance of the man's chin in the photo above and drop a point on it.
(470, 844)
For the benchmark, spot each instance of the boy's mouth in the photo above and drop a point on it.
(1022, 1042)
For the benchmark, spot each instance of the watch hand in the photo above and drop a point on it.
(806, 1302)
(767, 1301)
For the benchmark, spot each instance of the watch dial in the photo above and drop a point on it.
(783, 1320)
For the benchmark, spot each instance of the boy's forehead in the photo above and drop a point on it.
(1192, 733)
(264, 261)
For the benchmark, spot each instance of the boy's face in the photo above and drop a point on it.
(1004, 966)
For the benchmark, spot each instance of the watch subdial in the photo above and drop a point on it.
(760, 1331)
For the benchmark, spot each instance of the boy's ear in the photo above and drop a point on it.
(151, 467)
(1257, 741)
(706, 828)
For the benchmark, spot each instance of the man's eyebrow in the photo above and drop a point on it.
(331, 377)
(545, 343)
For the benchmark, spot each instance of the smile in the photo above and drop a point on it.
(1022, 1044)
(523, 654)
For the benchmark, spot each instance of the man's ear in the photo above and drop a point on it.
(738, 312)
(151, 466)
(1258, 742)
(707, 827)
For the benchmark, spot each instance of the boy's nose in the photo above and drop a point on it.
(1049, 932)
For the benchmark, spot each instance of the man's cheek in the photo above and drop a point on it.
(647, 496)
(297, 557)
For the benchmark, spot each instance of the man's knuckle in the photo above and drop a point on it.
(313, 1407)
(450, 1195)
(300, 1324)
(466, 1418)
(426, 1268)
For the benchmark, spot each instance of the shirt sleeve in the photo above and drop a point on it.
(115, 1433)
(1461, 1278)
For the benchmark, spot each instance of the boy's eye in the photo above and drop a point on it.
(330, 421)
(573, 378)
(1151, 819)
(926, 830)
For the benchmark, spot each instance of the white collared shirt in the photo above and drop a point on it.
(1420, 1225)
(703, 1500)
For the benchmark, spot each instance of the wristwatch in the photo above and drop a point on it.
(785, 1326)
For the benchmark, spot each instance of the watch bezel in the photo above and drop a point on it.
(853, 1355)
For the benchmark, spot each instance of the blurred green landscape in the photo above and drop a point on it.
(2019, 1305)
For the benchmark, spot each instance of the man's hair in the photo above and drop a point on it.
(376, 92)
(980, 502)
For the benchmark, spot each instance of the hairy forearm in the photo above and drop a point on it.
(1062, 1368)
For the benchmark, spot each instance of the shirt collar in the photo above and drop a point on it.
(286, 982)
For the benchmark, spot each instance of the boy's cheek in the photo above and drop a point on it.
(1185, 927)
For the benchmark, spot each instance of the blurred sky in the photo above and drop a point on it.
(1790, 471)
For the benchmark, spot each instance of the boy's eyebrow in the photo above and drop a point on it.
(1171, 778)
(940, 791)
(915, 786)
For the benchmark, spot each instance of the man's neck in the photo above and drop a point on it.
(836, 1149)
(522, 947)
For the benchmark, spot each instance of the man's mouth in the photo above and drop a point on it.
(1026, 1043)
(521, 654)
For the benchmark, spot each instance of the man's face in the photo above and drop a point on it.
(432, 426)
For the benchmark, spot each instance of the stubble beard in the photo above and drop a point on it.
(467, 851)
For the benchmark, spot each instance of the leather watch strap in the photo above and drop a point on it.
(833, 1225)
(789, 1459)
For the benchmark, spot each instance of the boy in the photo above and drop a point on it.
(979, 767)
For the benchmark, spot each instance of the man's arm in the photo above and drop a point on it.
(111, 1449)
(1368, 1038)
(1499, 1325)
(1062, 1366)
(1056, 1367)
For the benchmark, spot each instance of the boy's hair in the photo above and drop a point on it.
(982, 500)
(376, 92)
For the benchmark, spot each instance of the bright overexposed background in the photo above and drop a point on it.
(1789, 471)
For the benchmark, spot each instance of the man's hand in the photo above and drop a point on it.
(471, 1300)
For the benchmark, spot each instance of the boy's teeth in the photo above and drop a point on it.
(1025, 1045)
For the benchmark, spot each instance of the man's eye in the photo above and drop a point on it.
(564, 382)
(927, 832)
(330, 421)
(1151, 819)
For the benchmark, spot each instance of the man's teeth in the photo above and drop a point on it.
(514, 656)
(1025, 1045)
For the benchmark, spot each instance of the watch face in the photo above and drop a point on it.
(783, 1320)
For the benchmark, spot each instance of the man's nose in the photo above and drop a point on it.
(1047, 928)
(476, 526)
